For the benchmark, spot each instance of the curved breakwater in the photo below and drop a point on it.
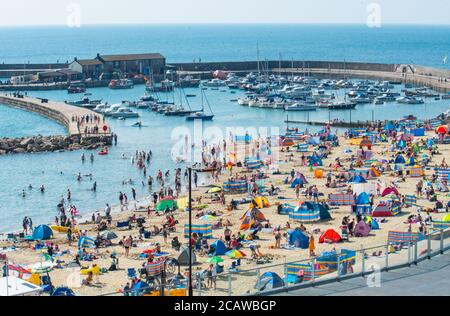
(61, 113)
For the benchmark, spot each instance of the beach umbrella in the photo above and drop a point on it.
(214, 190)
(446, 218)
(108, 235)
(235, 254)
(214, 260)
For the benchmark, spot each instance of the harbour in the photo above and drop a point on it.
(264, 163)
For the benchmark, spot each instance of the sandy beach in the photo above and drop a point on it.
(111, 281)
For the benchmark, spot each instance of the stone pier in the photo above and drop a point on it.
(62, 113)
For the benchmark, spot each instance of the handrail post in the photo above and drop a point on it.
(429, 246)
(199, 285)
(286, 278)
(338, 267)
(387, 257)
(409, 254)
(415, 251)
(363, 261)
(229, 283)
(442, 241)
(259, 275)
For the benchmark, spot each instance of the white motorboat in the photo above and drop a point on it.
(300, 107)
(410, 100)
(124, 113)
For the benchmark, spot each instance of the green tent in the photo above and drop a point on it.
(161, 206)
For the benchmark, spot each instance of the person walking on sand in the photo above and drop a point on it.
(127, 242)
(312, 246)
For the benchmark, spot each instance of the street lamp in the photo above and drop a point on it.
(190, 231)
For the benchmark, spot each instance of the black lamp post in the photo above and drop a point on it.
(190, 231)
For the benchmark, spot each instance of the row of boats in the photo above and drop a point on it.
(125, 110)
(309, 94)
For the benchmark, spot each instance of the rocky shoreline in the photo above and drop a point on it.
(36, 144)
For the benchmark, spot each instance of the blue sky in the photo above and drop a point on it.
(57, 12)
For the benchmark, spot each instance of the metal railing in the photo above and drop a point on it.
(367, 260)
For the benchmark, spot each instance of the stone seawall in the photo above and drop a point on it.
(61, 85)
(431, 77)
(62, 113)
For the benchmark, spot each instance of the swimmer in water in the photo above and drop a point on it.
(79, 177)
(23, 193)
(42, 189)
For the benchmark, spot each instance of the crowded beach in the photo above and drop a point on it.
(256, 202)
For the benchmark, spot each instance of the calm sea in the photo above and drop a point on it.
(58, 171)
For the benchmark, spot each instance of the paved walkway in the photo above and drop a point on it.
(60, 112)
(429, 277)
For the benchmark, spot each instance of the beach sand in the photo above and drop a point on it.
(110, 282)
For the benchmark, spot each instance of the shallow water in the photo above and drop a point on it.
(58, 171)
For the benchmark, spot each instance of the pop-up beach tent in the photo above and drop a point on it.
(269, 281)
(363, 198)
(167, 203)
(357, 179)
(330, 235)
(305, 213)
(300, 179)
(42, 232)
(298, 239)
(219, 248)
(183, 256)
(362, 229)
(250, 217)
(399, 159)
(260, 201)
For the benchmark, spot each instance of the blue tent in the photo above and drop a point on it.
(324, 213)
(63, 291)
(140, 288)
(412, 161)
(300, 179)
(298, 239)
(42, 232)
(315, 160)
(363, 198)
(269, 281)
(321, 208)
(399, 159)
(357, 179)
(375, 224)
(401, 144)
(389, 126)
(220, 248)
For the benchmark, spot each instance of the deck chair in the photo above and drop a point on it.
(131, 272)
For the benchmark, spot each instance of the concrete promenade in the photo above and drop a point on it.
(62, 113)
(429, 277)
